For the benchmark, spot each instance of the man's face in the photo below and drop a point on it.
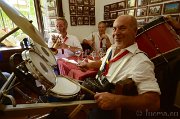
(123, 31)
(102, 28)
(60, 26)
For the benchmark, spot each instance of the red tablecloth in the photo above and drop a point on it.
(73, 71)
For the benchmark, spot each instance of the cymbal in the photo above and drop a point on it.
(22, 22)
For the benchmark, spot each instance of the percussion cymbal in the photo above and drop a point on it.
(22, 22)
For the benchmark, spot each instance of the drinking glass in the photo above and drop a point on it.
(78, 53)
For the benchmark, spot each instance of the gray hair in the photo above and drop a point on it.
(63, 19)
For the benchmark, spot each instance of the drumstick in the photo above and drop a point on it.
(75, 111)
(84, 88)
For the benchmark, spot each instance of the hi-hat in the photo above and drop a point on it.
(22, 22)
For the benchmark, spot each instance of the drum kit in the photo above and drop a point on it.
(34, 67)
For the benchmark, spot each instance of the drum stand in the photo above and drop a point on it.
(9, 84)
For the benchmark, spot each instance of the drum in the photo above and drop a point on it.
(157, 38)
(64, 89)
(39, 69)
(45, 53)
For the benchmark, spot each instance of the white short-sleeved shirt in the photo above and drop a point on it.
(71, 41)
(137, 66)
(97, 39)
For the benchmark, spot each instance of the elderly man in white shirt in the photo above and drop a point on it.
(62, 43)
(124, 60)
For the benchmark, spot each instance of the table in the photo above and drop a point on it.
(72, 70)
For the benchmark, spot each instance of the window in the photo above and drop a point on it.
(26, 7)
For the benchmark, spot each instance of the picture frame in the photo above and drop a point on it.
(141, 3)
(113, 7)
(154, 10)
(113, 15)
(141, 22)
(86, 20)
(92, 11)
(172, 7)
(52, 22)
(73, 9)
(79, 10)
(141, 11)
(92, 2)
(86, 10)
(119, 13)
(130, 12)
(51, 4)
(92, 21)
(72, 1)
(155, 1)
(106, 15)
(106, 8)
(131, 3)
(121, 5)
(80, 20)
(86, 2)
(73, 20)
(80, 2)
(149, 19)
(52, 13)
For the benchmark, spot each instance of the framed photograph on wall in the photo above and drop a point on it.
(113, 7)
(51, 4)
(130, 12)
(86, 2)
(52, 22)
(131, 3)
(142, 2)
(141, 12)
(155, 1)
(92, 2)
(80, 20)
(86, 20)
(72, 9)
(113, 15)
(141, 22)
(149, 19)
(173, 7)
(119, 13)
(121, 5)
(80, 2)
(73, 20)
(86, 10)
(52, 13)
(92, 21)
(92, 11)
(106, 8)
(155, 10)
(106, 16)
(72, 1)
(79, 10)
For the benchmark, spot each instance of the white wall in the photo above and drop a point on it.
(84, 30)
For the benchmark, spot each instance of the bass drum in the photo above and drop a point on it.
(157, 38)
(64, 89)
(39, 69)
(45, 53)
